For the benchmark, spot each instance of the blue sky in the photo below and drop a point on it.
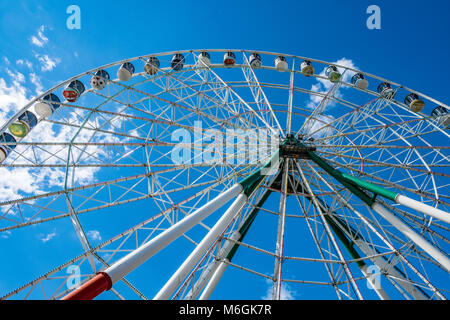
(412, 48)
(413, 34)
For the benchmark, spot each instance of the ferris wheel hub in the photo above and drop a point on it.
(292, 148)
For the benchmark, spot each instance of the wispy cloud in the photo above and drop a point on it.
(16, 76)
(47, 63)
(286, 292)
(48, 237)
(22, 62)
(37, 83)
(40, 39)
(94, 235)
(5, 234)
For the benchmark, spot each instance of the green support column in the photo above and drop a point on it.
(248, 222)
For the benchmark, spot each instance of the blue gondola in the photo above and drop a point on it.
(24, 124)
(177, 62)
(152, 66)
(204, 59)
(73, 90)
(229, 59)
(307, 68)
(385, 90)
(255, 60)
(100, 80)
(281, 63)
(414, 103)
(333, 74)
(5, 149)
(125, 71)
(359, 81)
(442, 114)
(47, 106)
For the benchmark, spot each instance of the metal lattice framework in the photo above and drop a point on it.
(321, 223)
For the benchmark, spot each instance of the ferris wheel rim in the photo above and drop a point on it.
(4, 127)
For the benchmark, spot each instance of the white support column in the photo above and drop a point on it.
(376, 286)
(421, 207)
(211, 269)
(414, 236)
(134, 259)
(214, 280)
(385, 266)
(190, 262)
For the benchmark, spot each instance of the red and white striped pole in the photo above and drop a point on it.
(88, 291)
(104, 280)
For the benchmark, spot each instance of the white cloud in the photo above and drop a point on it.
(40, 40)
(22, 62)
(94, 235)
(47, 63)
(6, 60)
(19, 77)
(37, 83)
(48, 237)
(17, 181)
(41, 34)
(11, 98)
(36, 41)
(6, 234)
(323, 85)
(286, 292)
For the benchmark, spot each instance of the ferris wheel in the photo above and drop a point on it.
(200, 174)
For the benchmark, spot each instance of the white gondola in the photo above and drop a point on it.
(48, 105)
(125, 71)
(255, 60)
(333, 74)
(441, 113)
(23, 125)
(229, 59)
(73, 90)
(177, 62)
(307, 68)
(281, 63)
(359, 81)
(414, 103)
(204, 59)
(5, 149)
(385, 90)
(100, 80)
(152, 66)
